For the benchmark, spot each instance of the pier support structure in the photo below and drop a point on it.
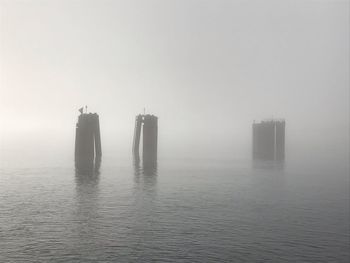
(269, 140)
(150, 139)
(88, 143)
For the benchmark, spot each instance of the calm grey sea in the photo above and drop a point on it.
(188, 210)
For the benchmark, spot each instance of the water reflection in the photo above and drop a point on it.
(88, 169)
(83, 180)
(268, 164)
(86, 191)
(87, 181)
(86, 212)
(145, 177)
(145, 174)
(145, 206)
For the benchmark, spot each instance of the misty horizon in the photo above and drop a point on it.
(253, 61)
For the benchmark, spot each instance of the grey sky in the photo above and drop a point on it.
(206, 68)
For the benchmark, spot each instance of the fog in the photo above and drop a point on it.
(207, 69)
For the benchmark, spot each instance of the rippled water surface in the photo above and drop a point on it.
(185, 211)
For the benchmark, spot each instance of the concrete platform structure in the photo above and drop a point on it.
(149, 139)
(269, 140)
(88, 143)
